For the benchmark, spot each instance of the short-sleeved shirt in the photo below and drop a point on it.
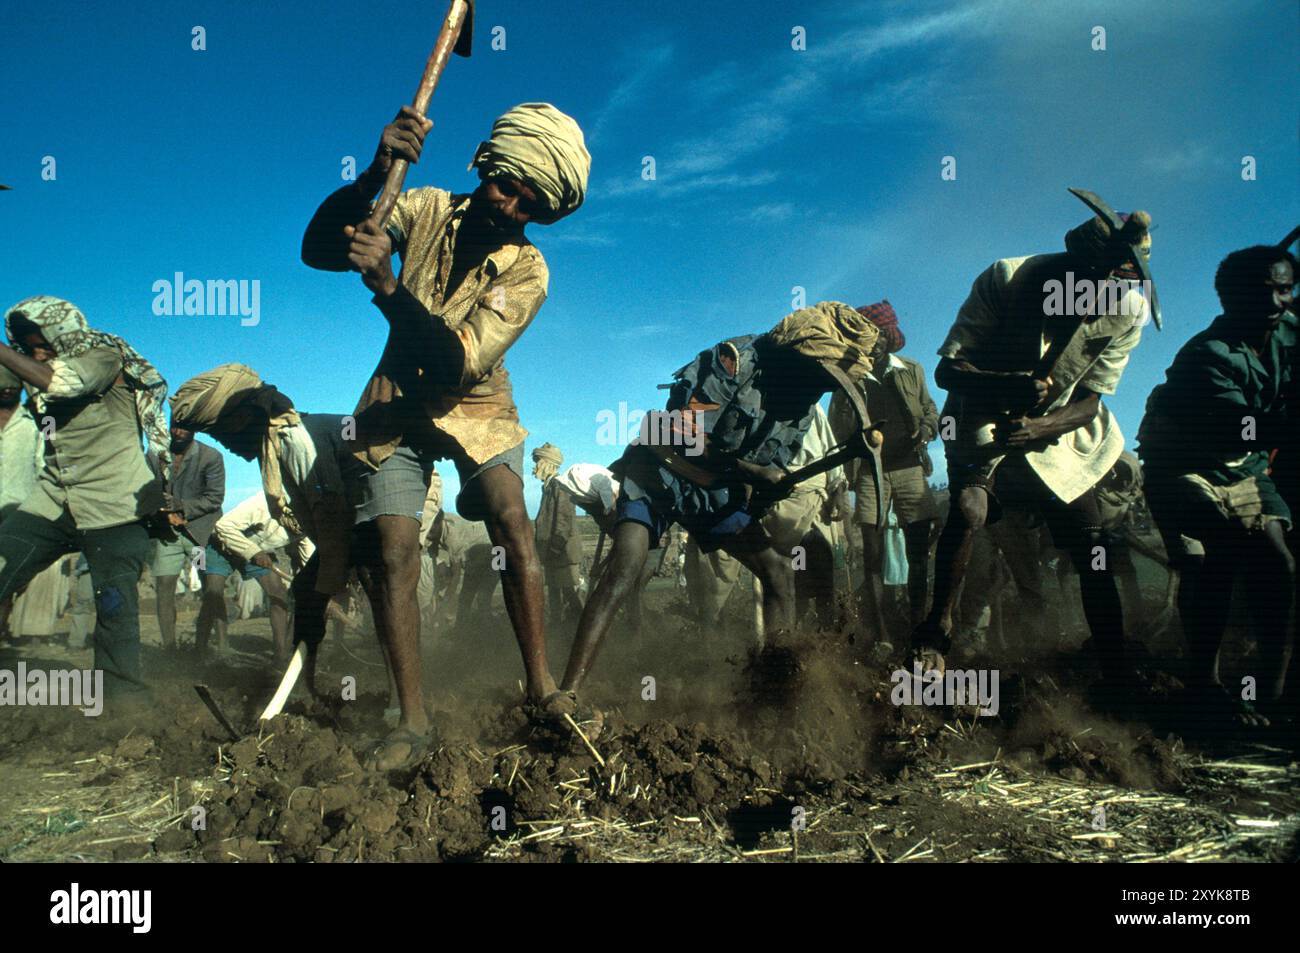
(488, 310)
(309, 465)
(1217, 367)
(95, 465)
(1001, 327)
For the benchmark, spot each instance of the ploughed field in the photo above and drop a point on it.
(795, 754)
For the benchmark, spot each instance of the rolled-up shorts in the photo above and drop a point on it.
(790, 519)
(401, 484)
(1190, 511)
(168, 558)
(709, 530)
(215, 563)
(906, 489)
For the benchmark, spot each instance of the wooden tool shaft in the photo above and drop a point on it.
(433, 68)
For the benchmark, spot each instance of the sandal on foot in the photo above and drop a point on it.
(550, 711)
(400, 748)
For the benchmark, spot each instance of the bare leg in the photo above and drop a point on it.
(821, 562)
(277, 599)
(164, 593)
(1271, 584)
(630, 545)
(521, 580)
(966, 516)
(394, 577)
(1130, 591)
(213, 607)
(774, 573)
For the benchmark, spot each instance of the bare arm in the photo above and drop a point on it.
(324, 245)
(1081, 409)
(1013, 388)
(31, 372)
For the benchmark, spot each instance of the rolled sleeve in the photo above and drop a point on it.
(90, 373)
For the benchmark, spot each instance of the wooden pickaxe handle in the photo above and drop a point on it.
(459, 16)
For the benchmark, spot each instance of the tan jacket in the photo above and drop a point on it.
(907, 378)
(488, 311)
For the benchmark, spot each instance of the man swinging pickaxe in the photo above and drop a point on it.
(454, 37)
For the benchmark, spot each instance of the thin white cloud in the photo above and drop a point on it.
(1189, 159)
(651, 62)
(774, 105)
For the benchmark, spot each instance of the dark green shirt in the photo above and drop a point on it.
(1217, 370)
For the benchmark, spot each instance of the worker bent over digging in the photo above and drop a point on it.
(1029, 429)
(298, 455)
(738, 413)
(470, 285)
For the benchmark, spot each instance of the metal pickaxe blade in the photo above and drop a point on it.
(290, 678)
(464, 40)
(1111, 218)
(1099, 207)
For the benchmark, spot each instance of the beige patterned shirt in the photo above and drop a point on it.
(492, 306)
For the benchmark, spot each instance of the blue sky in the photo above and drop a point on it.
(775, 168)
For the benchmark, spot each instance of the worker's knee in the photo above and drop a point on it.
(400, 557)
(624, 574)
(508, 524)
(777, 579)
